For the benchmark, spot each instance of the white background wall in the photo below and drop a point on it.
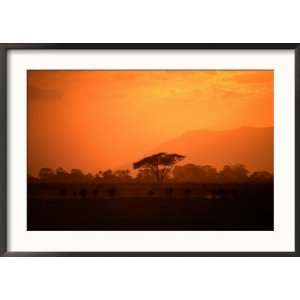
(149, 21)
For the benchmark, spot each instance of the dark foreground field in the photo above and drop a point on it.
(150, 207)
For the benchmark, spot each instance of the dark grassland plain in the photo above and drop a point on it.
(146, 206)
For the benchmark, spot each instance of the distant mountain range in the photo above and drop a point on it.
(250, 146)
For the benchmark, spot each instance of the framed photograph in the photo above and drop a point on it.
(149, 149)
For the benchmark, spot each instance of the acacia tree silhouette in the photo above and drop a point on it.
(160, 164)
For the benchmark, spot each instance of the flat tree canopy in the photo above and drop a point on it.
(159, 164)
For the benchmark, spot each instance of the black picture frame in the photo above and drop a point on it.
(4, 48)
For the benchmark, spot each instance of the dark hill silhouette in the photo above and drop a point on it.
(250, 146)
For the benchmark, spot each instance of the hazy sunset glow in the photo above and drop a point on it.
(95, 120)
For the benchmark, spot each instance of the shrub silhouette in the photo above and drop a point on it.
(112, 192)
(145, 175)
(160, 167)
(83, 193)
(261, 176)
(187, 192)
(46, 174)
(169, 191)
(194, 173)
(95, 192)
(63, 192)
(234, 173)
(151, 193)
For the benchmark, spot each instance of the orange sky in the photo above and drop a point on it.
(96, 120)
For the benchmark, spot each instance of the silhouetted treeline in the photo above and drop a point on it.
(185, 173)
